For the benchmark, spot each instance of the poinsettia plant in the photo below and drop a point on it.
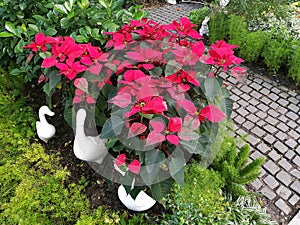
(155, 92)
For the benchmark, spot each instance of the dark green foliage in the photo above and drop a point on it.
(218, 27)
(197, 16)
(294, 62)
(233, 167)
(84, 20)
(237, 29)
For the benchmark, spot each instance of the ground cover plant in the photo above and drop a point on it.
(267, 32)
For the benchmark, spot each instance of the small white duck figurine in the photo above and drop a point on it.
(142, 201)
(87, 148)
(45, 131)
(173, 2)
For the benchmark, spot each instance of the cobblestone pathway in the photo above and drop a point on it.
(270, 115)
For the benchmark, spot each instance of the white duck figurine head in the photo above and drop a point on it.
(45, 131)
(87, 148)
(173, 2)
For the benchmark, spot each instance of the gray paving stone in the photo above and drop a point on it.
(284, 177)
(292, 93)
(258, 131)
(273, 113)
(289, 154)
(268, 193)
(274, 155)
(235, 106)
(280, 147)
(233, 115)
(271, 129)
(292, 115)
(232, 80)
(273, 97)
(261, 123)
(296, 186)
(243, 103)
(251, 108)
(258, 80)
(271, 182)
(253, 101)
(256, 95)
(271, 120)
(296, 160)
(236, 91)
(257, 184)
(283, 95)
(269, 139)
(267, 85)
(295, 173)
(246, 89)
(271, 167)
(294, 199)
(245, 97)
(298, 150)
(255, 86)
(223, 75)
(283, 192)
(291, 143)
(263, 107)
(281, 109)
(293, 100)
(265, 100)
(283, 88)
(252, 140)
(283, 206)
(283, 102)
(248, 125)
(274, 105)
(275, 90)
(285, 164)
(234, 97)
(298, 129)
(242, 112)
(281, 136)
(292, 124)
(293, 134)
(261, 114)
(262, 147)
(239, 119)
(293, 108)
(265, 91)
(283, 118)
(256, 155)
(283, 127)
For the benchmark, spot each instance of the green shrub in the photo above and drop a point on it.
(200, 201)
(233, 167)
(294, 62)
(253, 45)
(218, 27)
(197, 16)
(276, 53)
(85, 21)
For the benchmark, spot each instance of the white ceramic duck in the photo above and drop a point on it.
(142, 201)
(173, 2)
(87, 148)
(45, 131)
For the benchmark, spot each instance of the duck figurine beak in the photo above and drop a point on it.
(45, 131)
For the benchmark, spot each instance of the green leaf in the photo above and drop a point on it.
(50, 31)
(39, 17)
(176, 166)
(107, 89)
(112, 127)
(103, 3)
(212, 87)
(16, 72)
(226, 105)
(153, 161)
(60, 8)
(156, 72)
(84, 4)
(19, 47)
(5, 34)
(65, 23)
(34, 27)
(81, 39)
(10, 27)
(117, 5)
(54, 80)
(190, 146)
(172, 67)
(161, 189)
(69, 113)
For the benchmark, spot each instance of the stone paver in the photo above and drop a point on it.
(270, 114)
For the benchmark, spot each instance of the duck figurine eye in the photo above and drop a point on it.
(87, 148)
(45, 131)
